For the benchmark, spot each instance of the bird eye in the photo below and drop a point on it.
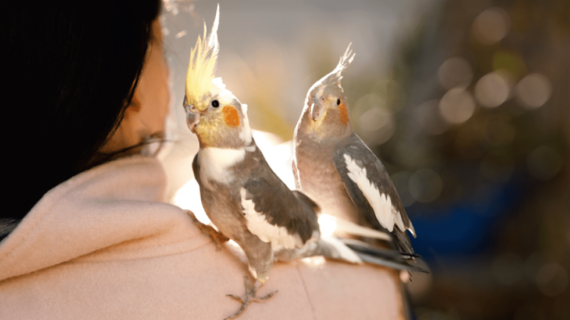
(338, 102)
(215, 103)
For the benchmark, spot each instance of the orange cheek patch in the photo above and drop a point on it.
(343, 114)
(231, 116)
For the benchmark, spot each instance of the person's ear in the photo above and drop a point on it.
(134, 107)
(135, 104)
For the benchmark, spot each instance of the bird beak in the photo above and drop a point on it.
(192, 117)
(317, 111)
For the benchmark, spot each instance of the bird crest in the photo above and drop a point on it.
(202, 66)
(336, 75)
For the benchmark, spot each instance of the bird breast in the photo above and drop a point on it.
(215, 163)
(320, 180)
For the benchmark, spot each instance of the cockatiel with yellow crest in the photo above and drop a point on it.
(240, 193)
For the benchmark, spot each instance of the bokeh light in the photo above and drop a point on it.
(533, 91)
(425, 185)
(410, 154)
(429, 119)
(492, 90)
(377, 125)
(455, 72)
(375, 121)
(508, 268)
(533, 263)
(491, 26)
(457, 106)
(552, 279)
(181, 34)
(544, 162)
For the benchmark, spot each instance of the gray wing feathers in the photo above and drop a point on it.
(196, 168)
(308, 201)
(377, 175)
(283, 208)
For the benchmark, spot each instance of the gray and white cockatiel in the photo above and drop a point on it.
(240, 193)
(337, 170)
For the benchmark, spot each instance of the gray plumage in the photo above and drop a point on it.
(240, 193)
(379, 177)
(334, 167)
(280, 207)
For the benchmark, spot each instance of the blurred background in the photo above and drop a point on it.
(466, 102)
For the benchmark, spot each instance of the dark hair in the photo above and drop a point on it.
(69, 72)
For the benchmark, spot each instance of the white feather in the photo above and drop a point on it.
(265, 231)
(381, 203)
(219, 84)
(342, 250)
(218, 161)
(354, 229)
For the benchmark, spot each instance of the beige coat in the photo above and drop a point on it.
(103, 245)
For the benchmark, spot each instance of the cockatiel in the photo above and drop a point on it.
(240, 193)
(336, 169)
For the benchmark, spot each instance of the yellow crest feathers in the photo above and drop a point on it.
(202, 66)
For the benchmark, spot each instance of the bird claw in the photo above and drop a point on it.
(249, 297)
(216, 236)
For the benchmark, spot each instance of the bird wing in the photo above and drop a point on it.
(371, 190)
(196, 168)
(276, 214)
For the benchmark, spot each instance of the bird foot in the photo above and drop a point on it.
(216, 236)
(249, 297)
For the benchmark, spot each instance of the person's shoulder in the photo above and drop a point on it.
(338, 290)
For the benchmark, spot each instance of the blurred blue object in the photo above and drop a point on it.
(465, 227)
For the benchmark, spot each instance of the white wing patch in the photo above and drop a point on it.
(259, 226)
(381, 203)
(215, 162)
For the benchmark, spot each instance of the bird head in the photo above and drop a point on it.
(213, 113)
(325, 106)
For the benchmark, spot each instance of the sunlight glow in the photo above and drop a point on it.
(327, 224)
(314, 262)
(188, 197)
(278, 155)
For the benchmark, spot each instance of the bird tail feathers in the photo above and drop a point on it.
(386, 257)
(349, 251)
(332, 247)
(353, 229)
